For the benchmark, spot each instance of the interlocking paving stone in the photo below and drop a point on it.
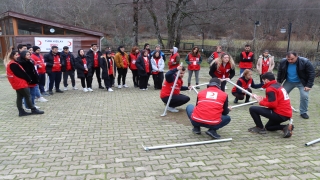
(98, 135)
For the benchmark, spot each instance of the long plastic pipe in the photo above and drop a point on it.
(185, 144)
(312, 142)
(244, 104)
(174, 86)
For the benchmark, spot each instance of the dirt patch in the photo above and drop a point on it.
(179, 117)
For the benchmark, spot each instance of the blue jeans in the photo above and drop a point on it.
(225, 120)
(37, 94)
(304, 95)
(42, 82)
(33, 96)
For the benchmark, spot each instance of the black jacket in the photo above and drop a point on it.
(49, 60)
(104, 64)
(141, 66)
(28, 66)
(63, 61)
(90, 57)
(80, 66)
(213, 68)
(305, 71)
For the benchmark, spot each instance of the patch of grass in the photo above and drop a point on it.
(2, 69)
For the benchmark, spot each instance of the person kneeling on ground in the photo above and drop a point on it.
(245, 82)
(278, 108)
(177, 99)
(211, 110)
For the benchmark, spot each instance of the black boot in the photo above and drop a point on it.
(235, 100)
(197, 86)
(247, 99)
(36, 111)
(22, 112)
(100, 87)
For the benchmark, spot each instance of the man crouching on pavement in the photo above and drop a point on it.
(211, 110)
(177, 98)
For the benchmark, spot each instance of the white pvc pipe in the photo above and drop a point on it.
(312, 142)
(244, 104)
(185, 144)
(201, 84)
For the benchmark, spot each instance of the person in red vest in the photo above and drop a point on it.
(67, 67)
(211, 110)
(133, 57)
(215, 54)
(41, 67)
(177, 99)
(84, 70)
(94, 55)
(174, 60)
(122, 62)
(246, 59)
(223, 68)
(193, 60)
(108, 70)
(20, 80)
(53, 69)
(277, 108)
(245, 81)
(144, 69)
(157, 62)
(265, 63)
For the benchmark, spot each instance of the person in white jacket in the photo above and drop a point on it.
(157, 63)
(265, 63)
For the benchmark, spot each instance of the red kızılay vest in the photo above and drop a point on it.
(194, 66)
(216, 54)
(133, 58)
(39, 61)
(209, 107)
(166, 88)
(223, 71)
(265, 65)
(245, 85)
(171, 60)
(16, 82)
(246, 65)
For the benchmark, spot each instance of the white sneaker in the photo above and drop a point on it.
(37, 107)
(119, 86)
(125, 86)
(85, 90)
(75, 88)
(143, 89)
(42, 99)
(110, 90)
(226, 87)
(261, 89)
(65, 89)
(89, 89)
(171, 109)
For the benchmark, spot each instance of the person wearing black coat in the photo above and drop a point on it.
(94, 55)
(67, 67)
(25, 61)
(84, 70)
(53, 69)
(108, 70)
(144, 69)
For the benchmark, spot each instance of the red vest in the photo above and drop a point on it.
(146, 64)
(125, 62)
(173, 59)
(246, 65)
(223, 72)
(16, 82)
(193, 66)
(110, 72)
(68, 65)
(84, 61)
(133, 58)
(95, 60)
(244, 85)
(265, 65)
(39, 61)
(209, 107)
(56, 62)
(157, 62)
(166, 88)
(282, 104)
(216, 54)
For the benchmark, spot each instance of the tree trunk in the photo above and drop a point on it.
(135, 22)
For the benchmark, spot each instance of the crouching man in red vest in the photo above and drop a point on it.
(177, 98)
(211, 110)
(278, 108)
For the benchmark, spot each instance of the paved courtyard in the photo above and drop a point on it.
(99, 135)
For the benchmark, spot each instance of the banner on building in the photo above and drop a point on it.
(45, 43)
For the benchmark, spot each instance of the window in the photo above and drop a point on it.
(50, 30)
(28, 28)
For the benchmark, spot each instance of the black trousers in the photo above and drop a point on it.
(65, 78)
(240, 96)
(97, 70)
(55, 78)
(135, 77)
(223, 85)
(122, 73)
(24, 93)
(143, 82)
(109, 82)
(85, 79)
(275, 119)
(157, 80)
(176, 100)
